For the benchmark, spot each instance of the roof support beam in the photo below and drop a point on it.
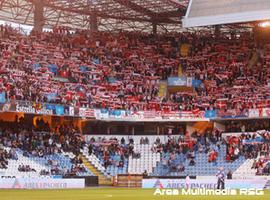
(156, 17)
(136, 7)
(104, 15)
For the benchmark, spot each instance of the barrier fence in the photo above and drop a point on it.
(126, 115)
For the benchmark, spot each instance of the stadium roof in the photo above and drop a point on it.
(111, 14)
(215, 12)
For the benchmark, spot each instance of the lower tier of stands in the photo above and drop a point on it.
(55, 165)
(114, 157)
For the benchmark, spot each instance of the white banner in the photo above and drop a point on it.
(41, 183)
(266, 112)
(189, 81)
(208, 183)
(253, 113)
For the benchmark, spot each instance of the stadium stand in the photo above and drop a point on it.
(126, 71)
(165, 98)
(58, 72)
(27, 153)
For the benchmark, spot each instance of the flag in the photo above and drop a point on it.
(71, 111)
(83, 68)
(170, 114)
(189, 81)
(36, 66)
(2, 97)
(150, 114)
(90, 113)
(59, 110)
(53, 68)
(196, 83)
(96, 61)
(221, 103)
(86, 112)
(51, 96)
(210, 113)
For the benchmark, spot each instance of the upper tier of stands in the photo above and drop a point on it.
(123, 70)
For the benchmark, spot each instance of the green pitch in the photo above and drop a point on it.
(109, 194)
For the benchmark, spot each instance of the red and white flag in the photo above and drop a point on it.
(86, 112)
(221, 103)
(150, 114)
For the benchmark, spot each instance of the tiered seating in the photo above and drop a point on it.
(12, 168)
(39, 164)
(32, 151)
(245, 170)
(109, 155)
(123, 71)
(202, 166)
(95, 161)
(146, 162)
(113, 170)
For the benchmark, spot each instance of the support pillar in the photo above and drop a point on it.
(38, 15)
(217, 31)
(133, 130)
(154, 28)
(93, 23)
(108, 130)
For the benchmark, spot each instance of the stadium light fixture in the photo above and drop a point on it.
(264, 24)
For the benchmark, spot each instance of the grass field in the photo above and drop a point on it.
(109, 194)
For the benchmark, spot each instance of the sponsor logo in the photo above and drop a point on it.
(158, 184)
(33, 109)
(208, 192)
(6, 107)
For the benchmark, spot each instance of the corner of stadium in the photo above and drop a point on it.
(134, 99)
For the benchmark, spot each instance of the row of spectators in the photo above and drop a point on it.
(41, 144)
(247, 125)
(177, 150)
(253, 146)
(55, 168)
(262, 165)
(25, 168)
(4, 156)
(250, 145)
(113, 152)
(123, 70)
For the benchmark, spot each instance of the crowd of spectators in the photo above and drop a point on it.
(113, 152)
(77, 166)
(4, 156)
(249, 145)
(247, 125)
(36, 142)
(234, 71)
(262, 165)
(176, 151)
(123, 70)
(33, 143)
(55, 168)
(144, 140)
(25, 168)
(185, 148)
